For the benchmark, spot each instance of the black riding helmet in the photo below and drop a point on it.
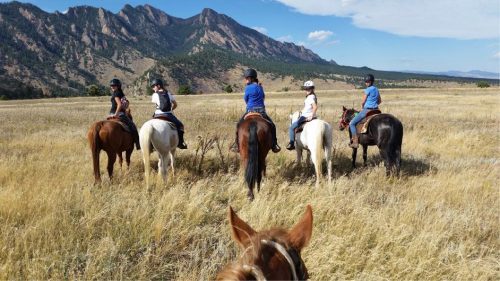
(250, 73)
(369, 78)
(158, 82)
(115, 82)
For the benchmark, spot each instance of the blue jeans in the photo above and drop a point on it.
(355, 121)
(295, 125)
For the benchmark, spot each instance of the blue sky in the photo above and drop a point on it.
(423, 35)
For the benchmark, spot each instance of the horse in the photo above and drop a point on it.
(161, 136)
(385, 131)
(271, 254)
(110, 136)
(316, 138)
(255, 141)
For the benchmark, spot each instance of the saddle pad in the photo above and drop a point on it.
(362, 126)
(165, 118)
(300, 128)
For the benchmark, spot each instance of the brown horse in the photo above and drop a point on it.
(255, 141)
(269, 255)
(110, 136)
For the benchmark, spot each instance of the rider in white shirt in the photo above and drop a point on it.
(308, 113)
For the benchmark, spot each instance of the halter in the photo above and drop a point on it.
(343, 121)
(259, 275)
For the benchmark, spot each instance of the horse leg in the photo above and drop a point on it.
(111, 162)
(163, 166)
(128, 153)
(328, 157)
(387, 161)
(95, 158)
(120, 159)
(299, 156)
(250, 194)
(365, 154)
(171, 155)
(354, 152)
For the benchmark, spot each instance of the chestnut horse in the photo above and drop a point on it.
(385, 131)
(255, 141)
(269, 255)
(110, 136)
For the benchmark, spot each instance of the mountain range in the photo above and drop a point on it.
(61, 54)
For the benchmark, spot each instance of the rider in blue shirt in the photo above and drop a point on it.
(371, 101)
(254, 99)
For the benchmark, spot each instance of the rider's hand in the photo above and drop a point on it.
(309, 118)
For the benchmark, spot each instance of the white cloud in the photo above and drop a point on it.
(497, 55)
(465, 19)
(262, 30)
(319, 35)
(285, 38)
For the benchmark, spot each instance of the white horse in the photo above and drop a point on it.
(158, 134)
(316, 138)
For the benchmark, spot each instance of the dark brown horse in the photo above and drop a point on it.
(269, 255)
(385, 131)
(110, 136)
(255, 141)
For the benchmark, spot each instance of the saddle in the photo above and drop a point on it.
(119, 121)
(362, 126)
(300, 128)
(169, 121)
(252, 115)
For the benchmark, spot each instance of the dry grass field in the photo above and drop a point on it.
(438, 221)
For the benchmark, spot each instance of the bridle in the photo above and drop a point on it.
(291, 256)
(343, 123)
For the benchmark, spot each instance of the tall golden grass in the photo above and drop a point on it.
(438, 221)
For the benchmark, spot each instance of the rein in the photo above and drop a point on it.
(257, 272)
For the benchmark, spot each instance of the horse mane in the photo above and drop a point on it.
(253, 255)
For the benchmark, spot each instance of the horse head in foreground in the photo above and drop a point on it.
(161, 136)
(316, 139)
(112, 137)
(255, 141)
(383, 130)
(271, 254)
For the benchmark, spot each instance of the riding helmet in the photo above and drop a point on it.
(308, 85)
(250, 73)
(158, 82)
(115, 82)
(369, 78)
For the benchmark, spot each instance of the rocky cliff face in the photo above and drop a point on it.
(61, 52)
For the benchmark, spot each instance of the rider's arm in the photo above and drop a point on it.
(363, 102)
(118, 105)
(379, 100)
(174, 104)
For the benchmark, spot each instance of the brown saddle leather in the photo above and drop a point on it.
(253, 115)
(169, 121)
(300, 128)
(362, 126)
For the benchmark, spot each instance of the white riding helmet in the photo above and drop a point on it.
(308, 84)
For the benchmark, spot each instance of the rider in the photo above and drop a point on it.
(371, 101)
(254, 99)
(308, 113)
(165, 104)
(118, 110)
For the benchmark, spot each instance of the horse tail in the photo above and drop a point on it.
(93, 137)
(252, 169)
(394, 147)
(145, 135)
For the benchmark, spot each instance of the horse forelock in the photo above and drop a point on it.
(262, 256)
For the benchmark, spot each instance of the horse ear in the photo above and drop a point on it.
(343, 108)
(240, 230)
(301, 233)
